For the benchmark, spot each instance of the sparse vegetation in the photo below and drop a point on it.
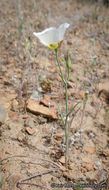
(33, 95)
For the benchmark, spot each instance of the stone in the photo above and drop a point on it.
(104, 96)
(3, 115)
(5, 100)
(20, 136)
(14, 116)
(11, 60)
(15, 105)
(30, 131)
(71, 166)
(86, 159)
(26, 116)
(89, 148)
(62, 160)
(103, 90)
(4, 168)
(89, 167)
(81, 95)
(36, 108)
(58, 137)
(103, 86)
(5, 186)
(46, 101)
(29, 122)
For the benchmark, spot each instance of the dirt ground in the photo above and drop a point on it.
(33, 144)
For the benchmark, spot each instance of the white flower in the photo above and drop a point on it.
(52, 37)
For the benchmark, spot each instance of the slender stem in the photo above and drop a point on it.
(62, 77)
(66, 98)
(66, 129)
(66, 119)
(72, 109)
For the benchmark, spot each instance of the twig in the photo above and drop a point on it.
(50, 162)
(32, 184)
(39, 174)
(17, 156)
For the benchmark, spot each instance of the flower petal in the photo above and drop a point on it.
(52, 37)
(62, 29)
(48, 36)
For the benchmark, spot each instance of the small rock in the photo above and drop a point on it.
(5, 101)
(1, 155)
(20, 136)
(46, 85)
(29, 122)
(103, 86)
(14, 116)
(15, 105)
(11, 60)
(7, 82)
(36, 108)
(98, 164)
(58, 137)
(4, 168)
(5, 186)
(71, 166)
(26, 116)
(62, 160)
(89, 167)
(53, 70)
(104, 96)
(81, 95)
(3, 115)
(106, 119)
(46, 101)
(89, 148)
(86, 159)
(35, 96)
(103, 90)
(30, 131)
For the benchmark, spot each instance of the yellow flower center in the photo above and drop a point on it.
(54, 46)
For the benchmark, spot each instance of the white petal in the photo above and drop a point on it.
(62, 29)
(48, 36)
(52, 35)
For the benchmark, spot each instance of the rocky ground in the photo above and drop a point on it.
(32, 139)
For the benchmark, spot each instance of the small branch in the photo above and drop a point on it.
(39, 174)
(17, 156)
(32, 184)
(73, 108)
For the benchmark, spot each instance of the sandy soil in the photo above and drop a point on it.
(31, 143)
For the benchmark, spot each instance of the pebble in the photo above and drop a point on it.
(62, 160)
(30, 131)
(89, 148)
(3, 115)
(36, 108)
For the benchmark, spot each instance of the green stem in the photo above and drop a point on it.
(66, 129)
(66, 120)
(72, 109)
(62, 77)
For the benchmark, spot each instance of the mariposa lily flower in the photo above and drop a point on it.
(52, 37)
